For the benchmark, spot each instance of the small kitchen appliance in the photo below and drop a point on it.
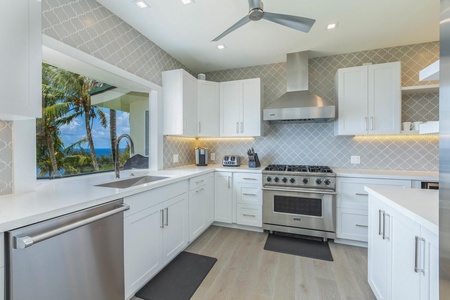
(231, 161)
(201, 156)
(300, 199)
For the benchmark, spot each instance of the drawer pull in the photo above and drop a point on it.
(247, 215)
(361, 194)
(200, 190)
(361, 225)
(248, 178)
(200, 181)
(247, 194)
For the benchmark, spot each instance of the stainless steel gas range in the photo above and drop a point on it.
(300, 199)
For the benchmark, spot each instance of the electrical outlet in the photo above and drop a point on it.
(213, 156)
(355, 159)
(175, 158)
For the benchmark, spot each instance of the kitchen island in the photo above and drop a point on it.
(403, 254)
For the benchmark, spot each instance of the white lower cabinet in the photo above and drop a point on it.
(403, 255)
(155, 231)
(352, 205)
(201, 204)
(223, 197)
(2, 267)
(248, 195)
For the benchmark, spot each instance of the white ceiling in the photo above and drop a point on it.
(186, 31)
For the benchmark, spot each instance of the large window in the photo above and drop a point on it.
(81, 121)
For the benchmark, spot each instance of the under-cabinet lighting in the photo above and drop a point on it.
(141, 4)
(221, 46)
(187, 1)
(235, 139)
(332, 26)
(397, 137)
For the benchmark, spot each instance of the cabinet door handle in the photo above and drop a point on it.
(371, 123)
(385, 236)
(167, 216)
(162, 218)
(418, 267)
(247, 215)
(184, 124)
(361, 194)
(229, 182)
(380, 213)
(242, 127)
(199, 127)
(366, 120)
(237, 127)
(361, 225)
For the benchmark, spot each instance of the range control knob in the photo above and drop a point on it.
(284, 179)
(305, 180)
(327, 181)
(319, 181)
(276, 179)
(269, 179)
(292, 180)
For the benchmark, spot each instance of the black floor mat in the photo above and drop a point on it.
(179, 279)
(298, 246)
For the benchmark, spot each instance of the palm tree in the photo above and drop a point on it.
(76, 89)
(112, 132)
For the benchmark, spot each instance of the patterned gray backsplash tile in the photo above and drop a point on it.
(6, 175)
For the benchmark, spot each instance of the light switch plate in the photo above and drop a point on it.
(355, 159)
(175, 158)
(213, 156)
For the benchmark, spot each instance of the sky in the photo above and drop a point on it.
(76, 130)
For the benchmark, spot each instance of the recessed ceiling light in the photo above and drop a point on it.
(332, 26)
(221, 47)
(187, 1)
(141, 4)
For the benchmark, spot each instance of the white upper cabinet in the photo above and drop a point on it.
(369, 99)
(240, 108)
(208, 108)
(180, 103)
(21, 59)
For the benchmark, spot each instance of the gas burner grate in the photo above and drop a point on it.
(319, 169)
(295, 168)
(278, 168)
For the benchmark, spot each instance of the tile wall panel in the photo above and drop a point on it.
(316, 143)
(6, 173)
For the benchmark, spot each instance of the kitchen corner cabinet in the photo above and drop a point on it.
(352, 205)
(180, 103)
(369, 99)
(208, 108)
(240, 108)
(201, 204)
(223, 197)
(402, 257)
(21, 59)
(155, 231)
(248, 195)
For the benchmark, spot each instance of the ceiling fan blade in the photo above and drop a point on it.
(294, 22)
(238, 24)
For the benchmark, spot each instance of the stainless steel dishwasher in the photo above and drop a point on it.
(72, 257)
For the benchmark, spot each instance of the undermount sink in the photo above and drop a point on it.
(134, 181)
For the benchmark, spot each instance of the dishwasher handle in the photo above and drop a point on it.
(28, 241)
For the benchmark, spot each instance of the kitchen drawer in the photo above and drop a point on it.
(249, 195)
(250, 215)
(351, 193)
(199, 181)
(255, 178)
(352, 224)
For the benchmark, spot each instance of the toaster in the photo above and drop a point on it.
(231, 161)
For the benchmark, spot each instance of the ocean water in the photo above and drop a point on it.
(103, 151)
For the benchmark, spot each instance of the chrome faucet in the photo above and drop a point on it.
(116, 160)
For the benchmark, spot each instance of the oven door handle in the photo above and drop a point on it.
(300, 191)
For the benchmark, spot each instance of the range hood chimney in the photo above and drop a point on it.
(298, 104)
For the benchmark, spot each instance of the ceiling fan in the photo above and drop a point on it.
(256, 13)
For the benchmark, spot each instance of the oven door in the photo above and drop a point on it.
(315, 210)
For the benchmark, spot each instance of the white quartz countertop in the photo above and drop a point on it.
(419, 205)
(388, 174)
(57, 197)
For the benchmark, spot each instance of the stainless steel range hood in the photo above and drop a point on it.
(299, 105)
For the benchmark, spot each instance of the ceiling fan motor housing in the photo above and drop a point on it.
(256, 14)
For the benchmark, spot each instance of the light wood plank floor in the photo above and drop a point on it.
(245, 270)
